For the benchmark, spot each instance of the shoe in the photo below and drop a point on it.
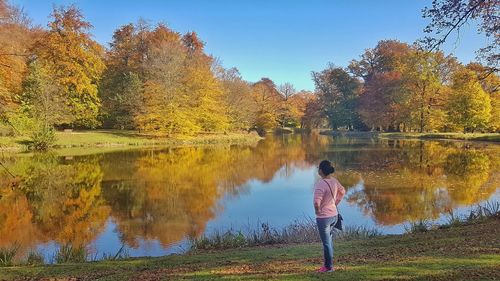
(325, 269)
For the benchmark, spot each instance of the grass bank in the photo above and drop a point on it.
(464, 252)
(122, 138)
(453, 136)
(492, 137)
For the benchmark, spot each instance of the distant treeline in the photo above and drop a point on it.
(156, 80)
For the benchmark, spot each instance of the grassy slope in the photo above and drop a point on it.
(456, 136)
(469, 252)
(111, 138)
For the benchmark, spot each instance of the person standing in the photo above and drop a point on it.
(328, 192)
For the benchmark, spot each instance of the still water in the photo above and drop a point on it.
(150, 200)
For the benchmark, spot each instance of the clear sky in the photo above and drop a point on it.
(279, 39)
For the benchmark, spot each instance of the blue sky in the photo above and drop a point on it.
(282, 40)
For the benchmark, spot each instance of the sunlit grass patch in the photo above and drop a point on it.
(468, 251)
(34, 257)
(300, 231)
(8, 254)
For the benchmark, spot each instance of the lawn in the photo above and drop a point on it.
(470, 252)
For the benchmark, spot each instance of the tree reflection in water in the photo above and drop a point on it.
(169, 194)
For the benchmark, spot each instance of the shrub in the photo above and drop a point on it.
(121, 254)
(418, 226)
(69, 253)
(42, 138)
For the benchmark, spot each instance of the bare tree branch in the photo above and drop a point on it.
(456, 26)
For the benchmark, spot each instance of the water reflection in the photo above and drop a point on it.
(166, 195)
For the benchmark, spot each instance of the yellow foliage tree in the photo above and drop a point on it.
(75, 61)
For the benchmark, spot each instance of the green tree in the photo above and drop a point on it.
(338, 93)
(42, 105)
(41, 99)
(122, 83)
(469, 107)
(121, 93)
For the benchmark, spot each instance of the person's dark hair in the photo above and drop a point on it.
(326, 167)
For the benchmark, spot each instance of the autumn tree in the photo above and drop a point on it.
(299, 103)
(241, 108)
(490, 82)
(268, 99)
(201, 86)
(387, 56)
(313, 117)
(469, 107)
(162, 82)
(381, 98)
(425, 76)
(75, 63)
(379, 105)
(164, 107)
(16, 38)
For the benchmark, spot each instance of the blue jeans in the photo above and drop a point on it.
(325, 226)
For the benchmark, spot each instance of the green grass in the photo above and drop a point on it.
(123, 138)
(493, 137)
(466, 252)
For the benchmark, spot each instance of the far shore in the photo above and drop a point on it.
(116, 139)
(123, 138)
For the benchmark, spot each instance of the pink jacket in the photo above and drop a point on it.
(323, 197)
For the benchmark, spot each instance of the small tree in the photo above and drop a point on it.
(287, 111)
(42, 106)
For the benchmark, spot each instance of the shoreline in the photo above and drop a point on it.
(439, 254)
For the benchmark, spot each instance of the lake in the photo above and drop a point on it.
(150, 200)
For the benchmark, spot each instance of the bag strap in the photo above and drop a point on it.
(333, 196)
